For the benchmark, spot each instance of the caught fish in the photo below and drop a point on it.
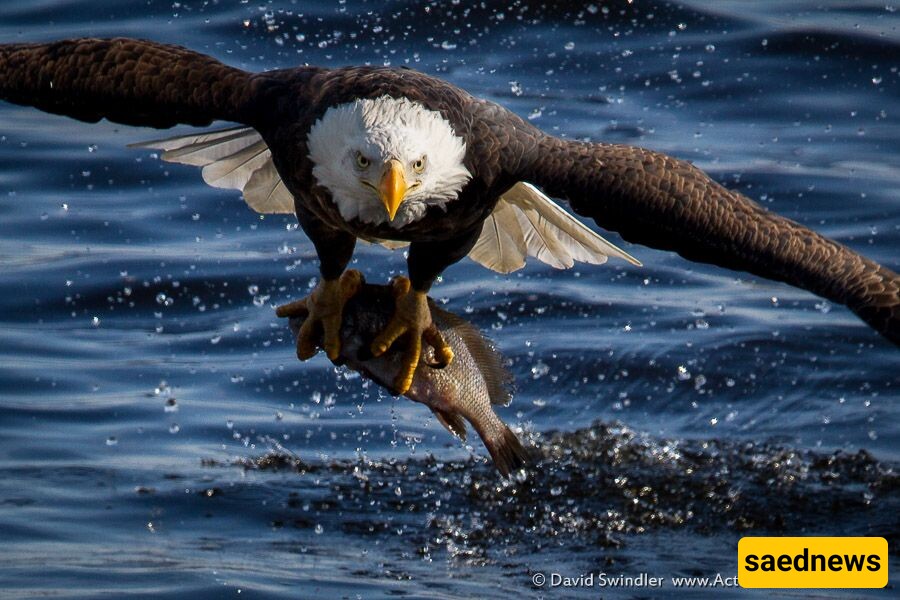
(465, 390)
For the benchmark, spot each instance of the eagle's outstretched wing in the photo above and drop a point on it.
(128, 81)
(662, 202)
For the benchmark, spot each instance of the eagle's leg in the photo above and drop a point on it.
(325, 304)
(412, 315)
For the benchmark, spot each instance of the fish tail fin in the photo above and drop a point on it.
(506, 451)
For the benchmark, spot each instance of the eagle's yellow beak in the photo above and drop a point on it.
(392, 188)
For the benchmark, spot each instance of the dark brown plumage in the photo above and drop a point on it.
(648, 197)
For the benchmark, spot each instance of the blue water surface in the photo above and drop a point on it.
(143, 372)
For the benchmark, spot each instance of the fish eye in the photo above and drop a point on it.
(361, 161)
(419, 165)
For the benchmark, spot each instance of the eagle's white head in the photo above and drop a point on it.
(387, 160)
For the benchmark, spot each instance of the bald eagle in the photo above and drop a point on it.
(394, 156)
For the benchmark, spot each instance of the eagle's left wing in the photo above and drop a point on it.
(526, 222)
(663, 202)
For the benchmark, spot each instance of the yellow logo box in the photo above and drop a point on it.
(813, 562)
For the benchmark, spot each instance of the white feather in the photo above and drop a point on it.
(540, 228)
(384, 129)
(208, 147)
(236, 158)
(501, 246)
(266, 193)
(234, 171)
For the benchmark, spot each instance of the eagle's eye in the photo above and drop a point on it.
(361, 161)
(419, 165)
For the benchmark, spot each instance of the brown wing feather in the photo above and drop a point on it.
(128, 81)
(659, 201)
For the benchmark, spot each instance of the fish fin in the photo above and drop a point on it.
(236, 158)
(555, 236)
(452, 421)
(507, 452)
(489, 360)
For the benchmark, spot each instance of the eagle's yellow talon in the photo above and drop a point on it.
(323, 309)
(443, 354)
(411, 320)
(402, 385)
(297, 308)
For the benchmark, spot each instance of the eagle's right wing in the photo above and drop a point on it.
(127, 81)
(236, 159)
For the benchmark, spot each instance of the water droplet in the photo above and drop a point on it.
(539, 370)
(699, 381)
